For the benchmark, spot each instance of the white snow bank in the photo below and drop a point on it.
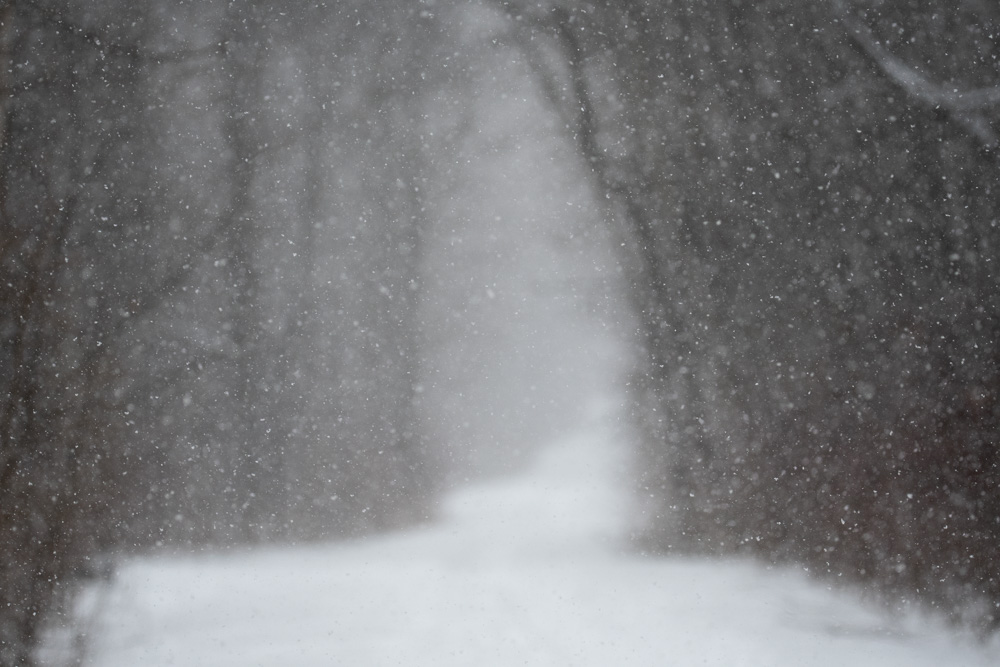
(522, 571)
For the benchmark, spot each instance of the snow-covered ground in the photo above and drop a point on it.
(525, 570)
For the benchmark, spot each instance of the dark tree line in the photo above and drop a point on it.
(809, 195)
(210, 221)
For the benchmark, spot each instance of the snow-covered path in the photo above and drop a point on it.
(528, 570)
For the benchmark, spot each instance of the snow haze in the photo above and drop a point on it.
(491, 332)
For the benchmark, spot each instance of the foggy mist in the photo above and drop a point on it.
(499, 332)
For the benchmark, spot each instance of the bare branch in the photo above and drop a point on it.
(114, 46)
(524, 29)
(965, 106)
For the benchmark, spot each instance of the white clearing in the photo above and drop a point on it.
(526, 570)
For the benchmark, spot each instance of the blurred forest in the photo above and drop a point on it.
(213, 220)
(210, 254)
(809, 194)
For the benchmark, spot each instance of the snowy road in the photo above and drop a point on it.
(520, 571)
